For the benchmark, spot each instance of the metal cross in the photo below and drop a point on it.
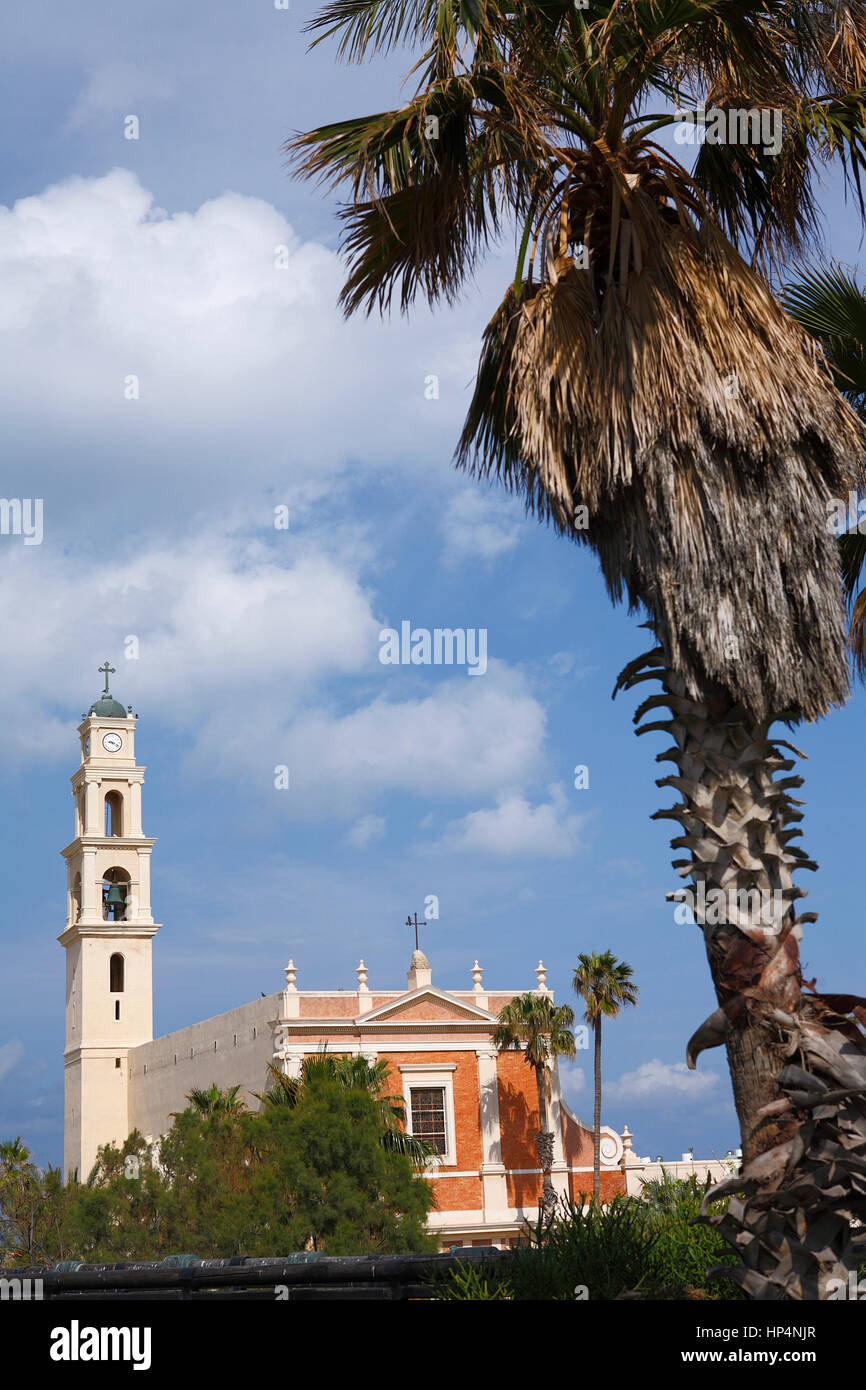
(416, 924)
(107, 671)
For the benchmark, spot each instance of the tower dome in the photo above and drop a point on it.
(106, 707)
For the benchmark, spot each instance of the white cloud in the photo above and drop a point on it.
(463, 738)
(263, 657)
(10, 1055)
(116, 89)
(249, 376)
(516, 827)
(573, 1078)
(480, 526)
(656, 1082)
(365, 831)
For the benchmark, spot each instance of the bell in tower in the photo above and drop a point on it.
(114, 890)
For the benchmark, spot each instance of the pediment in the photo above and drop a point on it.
(428, 1005)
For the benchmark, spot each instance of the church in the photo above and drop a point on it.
(475, 1105)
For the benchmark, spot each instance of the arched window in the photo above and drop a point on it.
(115, 895)
(115, 974)
(113, 813)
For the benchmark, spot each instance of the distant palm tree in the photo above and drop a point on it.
(352, 1073)
(604, 984)
(832, 307)
(14, 1156)
(543, 1031)
(213, 1103)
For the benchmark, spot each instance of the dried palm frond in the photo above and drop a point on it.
(690, 416)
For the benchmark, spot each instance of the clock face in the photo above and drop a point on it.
(112, 743)
(87, 746)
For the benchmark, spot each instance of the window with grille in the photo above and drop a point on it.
(428, 1116)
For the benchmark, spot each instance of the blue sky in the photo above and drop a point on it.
(259, 647)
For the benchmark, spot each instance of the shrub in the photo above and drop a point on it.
(686, 1248)
(606, 1249)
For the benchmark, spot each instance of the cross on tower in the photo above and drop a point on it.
(107, 671)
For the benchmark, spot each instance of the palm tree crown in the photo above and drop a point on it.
(543, 1030)
(634, 367)
(832, 307)
(605, 985)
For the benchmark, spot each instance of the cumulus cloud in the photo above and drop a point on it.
(463, 738)
(263, 657)
(572, 1077)
(365, 831)
(480, 526)
(548, 830)
(185, 359)
(656, 1082)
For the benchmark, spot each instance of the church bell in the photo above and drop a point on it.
(115, 898)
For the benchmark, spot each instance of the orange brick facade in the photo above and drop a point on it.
(486, 1184)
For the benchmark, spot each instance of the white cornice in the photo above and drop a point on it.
(107, 842)
(131, 930)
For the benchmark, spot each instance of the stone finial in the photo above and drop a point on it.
(476, 978)
(291, 972)
(419, 975)
(542, 978)
(361, 972)
(629, 1158)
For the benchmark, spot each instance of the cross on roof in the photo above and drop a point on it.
(107, 671)
(416, 924)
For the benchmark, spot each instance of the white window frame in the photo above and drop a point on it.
(423, 1078)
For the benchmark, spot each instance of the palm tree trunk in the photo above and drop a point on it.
(544, 1149)
(596, 1127)
(798, 1065)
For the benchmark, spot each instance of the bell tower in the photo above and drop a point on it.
(109, 929)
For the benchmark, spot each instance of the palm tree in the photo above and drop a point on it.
(643, 389)
(604, 983)
(832, 307)
(531, 1022)
(352, 1073)
(213, 1103)
(14, 1157)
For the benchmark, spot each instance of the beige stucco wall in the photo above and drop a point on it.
(155, 1092)
(717, 1169)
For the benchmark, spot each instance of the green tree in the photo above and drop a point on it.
(832, 307)
(326, 1182)
(642, 388)
(120, 1213)
(532, 1022)
(604, 984)
(311, 1175)
(352, 1073)
(33, 1205)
